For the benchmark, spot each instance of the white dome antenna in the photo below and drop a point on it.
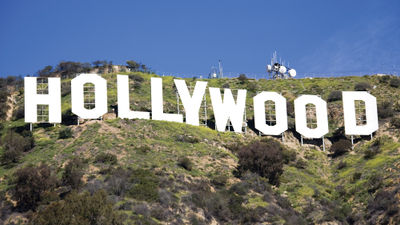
(292, 72)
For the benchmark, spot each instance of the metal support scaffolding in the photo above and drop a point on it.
(270, 116)
(42, 111)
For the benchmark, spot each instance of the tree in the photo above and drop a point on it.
(45, 72)
(31, 185)
(132, 65)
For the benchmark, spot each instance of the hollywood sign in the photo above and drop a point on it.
(225, 108)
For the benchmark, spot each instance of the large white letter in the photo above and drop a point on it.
(32, 99)
(301, 117)
(157, 108)
(228, 109)
(123, 101)
(191, 103)
(280, 113)
(371, 111)
(77, 100)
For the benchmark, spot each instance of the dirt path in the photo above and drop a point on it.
(11, 102)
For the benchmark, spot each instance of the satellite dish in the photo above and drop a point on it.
(269, 68)
(292, 73)
(282, 69)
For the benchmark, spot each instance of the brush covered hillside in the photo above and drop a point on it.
(117, 171)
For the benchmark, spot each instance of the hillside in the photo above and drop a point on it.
(155, 172)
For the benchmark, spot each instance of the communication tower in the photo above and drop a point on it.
(216, 73)
(277, 69)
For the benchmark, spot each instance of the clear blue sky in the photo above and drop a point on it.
(188, 37)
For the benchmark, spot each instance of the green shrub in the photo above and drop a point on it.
(301, 164)
(78, 209)
(340, 147)
(385, 110)
(362, 86)
(219, 179)
(73, 173)
(373, 149)
(375, 181)
(356, 177)
(144, 185)
(335, 96)
(185, 163)
(264, 158)
(106, 158)
(31, 184)
(65, 133)
(289, 155)
(395, 122)
(395, 82)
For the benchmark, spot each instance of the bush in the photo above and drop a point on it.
(118, 181)
(65, 133)
(31, 185)
(374, 149)
(395, 122)
(362, 86)
(14, 145)
(384, 79)
(18, 113)
(356, 177)
(219, 179)
(187, 138)
(385, 110)
(73, 173)
(301, 164)
(341, 165)
(242, 78)
(106, 158)
(289, 155)
(335, 96)
(185, 163)
(340, 147)
(264, 158)
(82, 209)
(226, 85)
(395, 82)
(144, 185)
